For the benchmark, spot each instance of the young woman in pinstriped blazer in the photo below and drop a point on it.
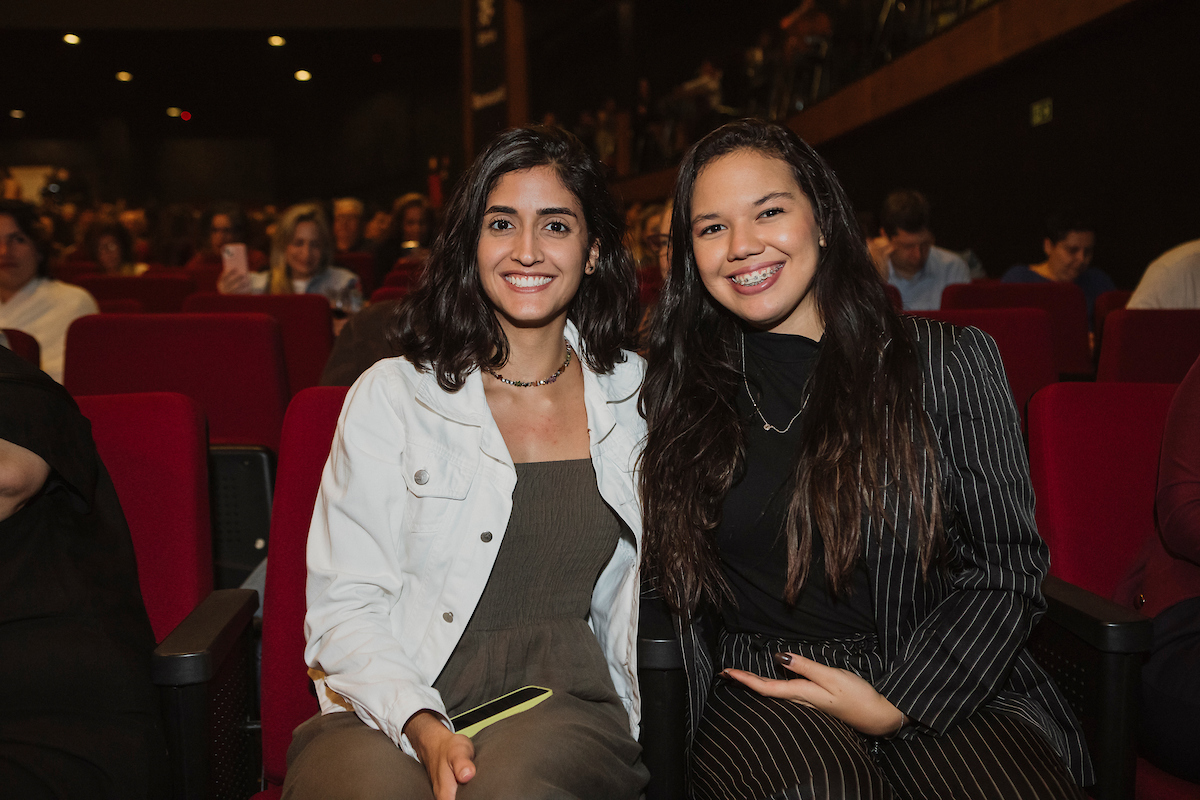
(838, 508)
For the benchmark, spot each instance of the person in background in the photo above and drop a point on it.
(111, 247)
(376, 229)
(134, 220)
(1171, 281)
(408, 234)
(224, 225)
(30, 300)
(1069, 244)
(301, 263)
(80, 717)
(906, 256)
(1164, 583)
(347, 225)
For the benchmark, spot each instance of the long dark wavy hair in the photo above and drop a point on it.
(447, 324)
(864, 432)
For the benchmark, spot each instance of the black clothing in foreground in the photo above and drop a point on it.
(751, 539)
(362, 342)
(80, 716)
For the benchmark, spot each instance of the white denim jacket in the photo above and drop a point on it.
(414, 502)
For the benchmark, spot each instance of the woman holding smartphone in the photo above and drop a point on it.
(477, 526)
(838, 504)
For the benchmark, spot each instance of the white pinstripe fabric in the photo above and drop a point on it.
(954, 643)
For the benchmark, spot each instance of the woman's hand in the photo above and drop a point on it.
(447, 756)
(234, 283)
(837, 692)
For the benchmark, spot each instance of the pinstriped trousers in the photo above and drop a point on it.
(749, 746)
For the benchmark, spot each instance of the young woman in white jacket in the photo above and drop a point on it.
(477, 528)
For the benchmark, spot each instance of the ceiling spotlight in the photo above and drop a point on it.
(185, 115)
(303, 75)
(124, 77)
(276, 41)
(71, 38)
(17, 113)
(173, 112)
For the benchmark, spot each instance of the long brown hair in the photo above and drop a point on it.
(864, 433)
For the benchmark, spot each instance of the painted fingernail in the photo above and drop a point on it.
(724, 674)
(783, 659)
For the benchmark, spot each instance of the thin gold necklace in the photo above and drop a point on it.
(766, 425)
(524, 384)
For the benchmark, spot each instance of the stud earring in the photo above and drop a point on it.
(821, 240)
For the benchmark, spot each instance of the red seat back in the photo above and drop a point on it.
(24, 346)
(155, 449)
(287, 699)
(384, 293)
(1093, 457)
(894, 296)
(362, 265)
(157, 294)
(1149, 346)
(205, 277)
(72, 271)
(1023, 336)
(230, 364)
(1106, 303)
(304, 321)
(1063, 301)
(121, 305)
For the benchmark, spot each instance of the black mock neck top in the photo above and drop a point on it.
(751, 540)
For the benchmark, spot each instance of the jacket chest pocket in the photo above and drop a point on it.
(437, 481)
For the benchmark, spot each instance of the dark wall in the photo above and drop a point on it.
(1122, 143)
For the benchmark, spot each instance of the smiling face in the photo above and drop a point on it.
(533, 248)
(18, 258)
(1068, 258)
(304, 251)
(220, 232)
(414, 226)
(756, 242)
(108, 252)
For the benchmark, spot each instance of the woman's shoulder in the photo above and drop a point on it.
(68, 294)
(939, 343)
(1021, 273)
(625, 378)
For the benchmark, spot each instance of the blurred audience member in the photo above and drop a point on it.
(1164, 583)
(30, 300)
(906, 256)
(347, 224)
(224, 225)
(110, 246)
(134, 220)
(1069, 244)
(301, 263)
(10, 187)
(1172, 280)
(80, 716)
(408, 234)
(376, 229)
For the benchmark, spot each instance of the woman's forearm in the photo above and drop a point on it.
(22, 475)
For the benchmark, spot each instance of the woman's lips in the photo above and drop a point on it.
(753, 279)
(527, 281)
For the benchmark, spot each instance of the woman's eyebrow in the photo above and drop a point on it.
(501, 210)
(766, 198)
(541, 212)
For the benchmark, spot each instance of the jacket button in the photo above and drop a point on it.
(1139, 601)
(448, 616)
(421, 477)
(485, 537)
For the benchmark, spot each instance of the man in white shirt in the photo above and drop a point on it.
(1171, 281)
(31, 301)
(906, 256)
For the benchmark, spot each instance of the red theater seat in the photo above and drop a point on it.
(24, 346)
(1106, 303)
(1149, 346)
(155, 448)
(121, 305)
(384, 293)
(1023, 336)
(305, 323)
(287, 698)
(157, 294)
(894, 296)
(1063, 301)
(362, 265)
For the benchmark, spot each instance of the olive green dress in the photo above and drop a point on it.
(529, 628)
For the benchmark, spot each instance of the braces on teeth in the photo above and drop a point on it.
(755, 278)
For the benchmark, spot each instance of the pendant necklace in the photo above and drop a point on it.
(766, 425)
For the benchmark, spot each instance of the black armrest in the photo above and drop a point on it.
(1093, 649)
(664, 699)
(193, 651)
(1103, 624)
(205, 673)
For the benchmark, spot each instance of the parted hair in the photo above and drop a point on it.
(864, 433)
(25, 215)
(280, 281)
(447, 324)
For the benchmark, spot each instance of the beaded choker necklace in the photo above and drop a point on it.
(523, 384)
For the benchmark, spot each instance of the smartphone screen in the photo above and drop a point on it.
(233, 259)
(471, 722)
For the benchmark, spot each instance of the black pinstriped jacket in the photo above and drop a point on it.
(956, 641)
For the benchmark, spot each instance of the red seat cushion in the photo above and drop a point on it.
(157, 294)
(1063, 301)
(121, 305)
(287, 699)
(155, 449)
(230, 364)
(1149, 346)
(304, 322)
(24, 346)
(1093, 458)
(1023, 336)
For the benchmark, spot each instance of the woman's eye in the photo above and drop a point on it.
(770, 212)
(558, 226)
(707, 229)
(499, 224)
